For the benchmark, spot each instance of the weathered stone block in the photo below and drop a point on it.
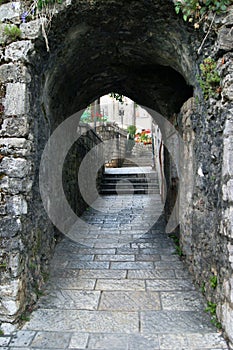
(9, 227)
(71, 299)
(10, 289)
(11, 306)
(228, 130)
(225, 39)
(84, 321)
(79, 340)
(227, 316)
(15, 186)
(46, 340)
(228, 156)
(32, 29)
(14, 127)
(15, 264)
(10, 11)
(12, 73)
(16, 100)
(16, 205)
(227, 91)
(228, 191)
(8, 328)
(227, 222)
(15, 167)
(13, 146)
(4, 341)
(18, 51)
(22, 338)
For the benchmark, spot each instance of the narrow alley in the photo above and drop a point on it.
(119, 288)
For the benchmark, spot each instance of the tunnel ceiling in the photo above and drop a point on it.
(141, 49)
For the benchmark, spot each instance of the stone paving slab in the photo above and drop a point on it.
(129, 301)
(106, 341)
(51, 340)
(137, 296)
(147, 257)
(99, 251)
(174, 322)
(138, 265)
(123, 284)
(169, 285)
(22, 338)
(151, 274)
(111, 274)
(182, 301)
(83, 321)
(88, 265)
(72, 283)
(115, 257)
(71, 299)
(4, 341)
(79, 340)
(213, 340)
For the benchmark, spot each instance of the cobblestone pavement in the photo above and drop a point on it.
(120, 296)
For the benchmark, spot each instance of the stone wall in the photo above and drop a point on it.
(206, 193)
(27, 237)
(149, 54)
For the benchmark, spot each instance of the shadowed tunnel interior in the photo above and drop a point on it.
(117, 48)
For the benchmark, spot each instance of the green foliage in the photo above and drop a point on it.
(177, 245)
(214, 282)
(24, 316)
(88, 117)
(203, 288)
(3, 264)
(118, 97)
(45, 276)
(197, 10)
(211, 308)
(12, 32)
(1, 333)
(38, 292)
(45, 3)
(132, 130)
(209, 79)
(179, 251)
(32, 266)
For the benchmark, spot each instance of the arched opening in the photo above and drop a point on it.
(141, 50)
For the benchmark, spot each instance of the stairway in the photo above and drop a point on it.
(122, 181)
(141, 156)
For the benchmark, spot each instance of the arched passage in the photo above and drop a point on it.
(142, 50)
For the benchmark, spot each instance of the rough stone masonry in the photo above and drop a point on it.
(141, 49)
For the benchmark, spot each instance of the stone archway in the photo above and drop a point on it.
(148, 53)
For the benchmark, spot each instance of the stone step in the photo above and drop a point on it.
(131, 179)
(129, 183)
(122, 191)
(126, 185)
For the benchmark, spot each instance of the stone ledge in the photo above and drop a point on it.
(18, 51)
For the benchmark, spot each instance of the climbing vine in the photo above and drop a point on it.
(197, 11)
